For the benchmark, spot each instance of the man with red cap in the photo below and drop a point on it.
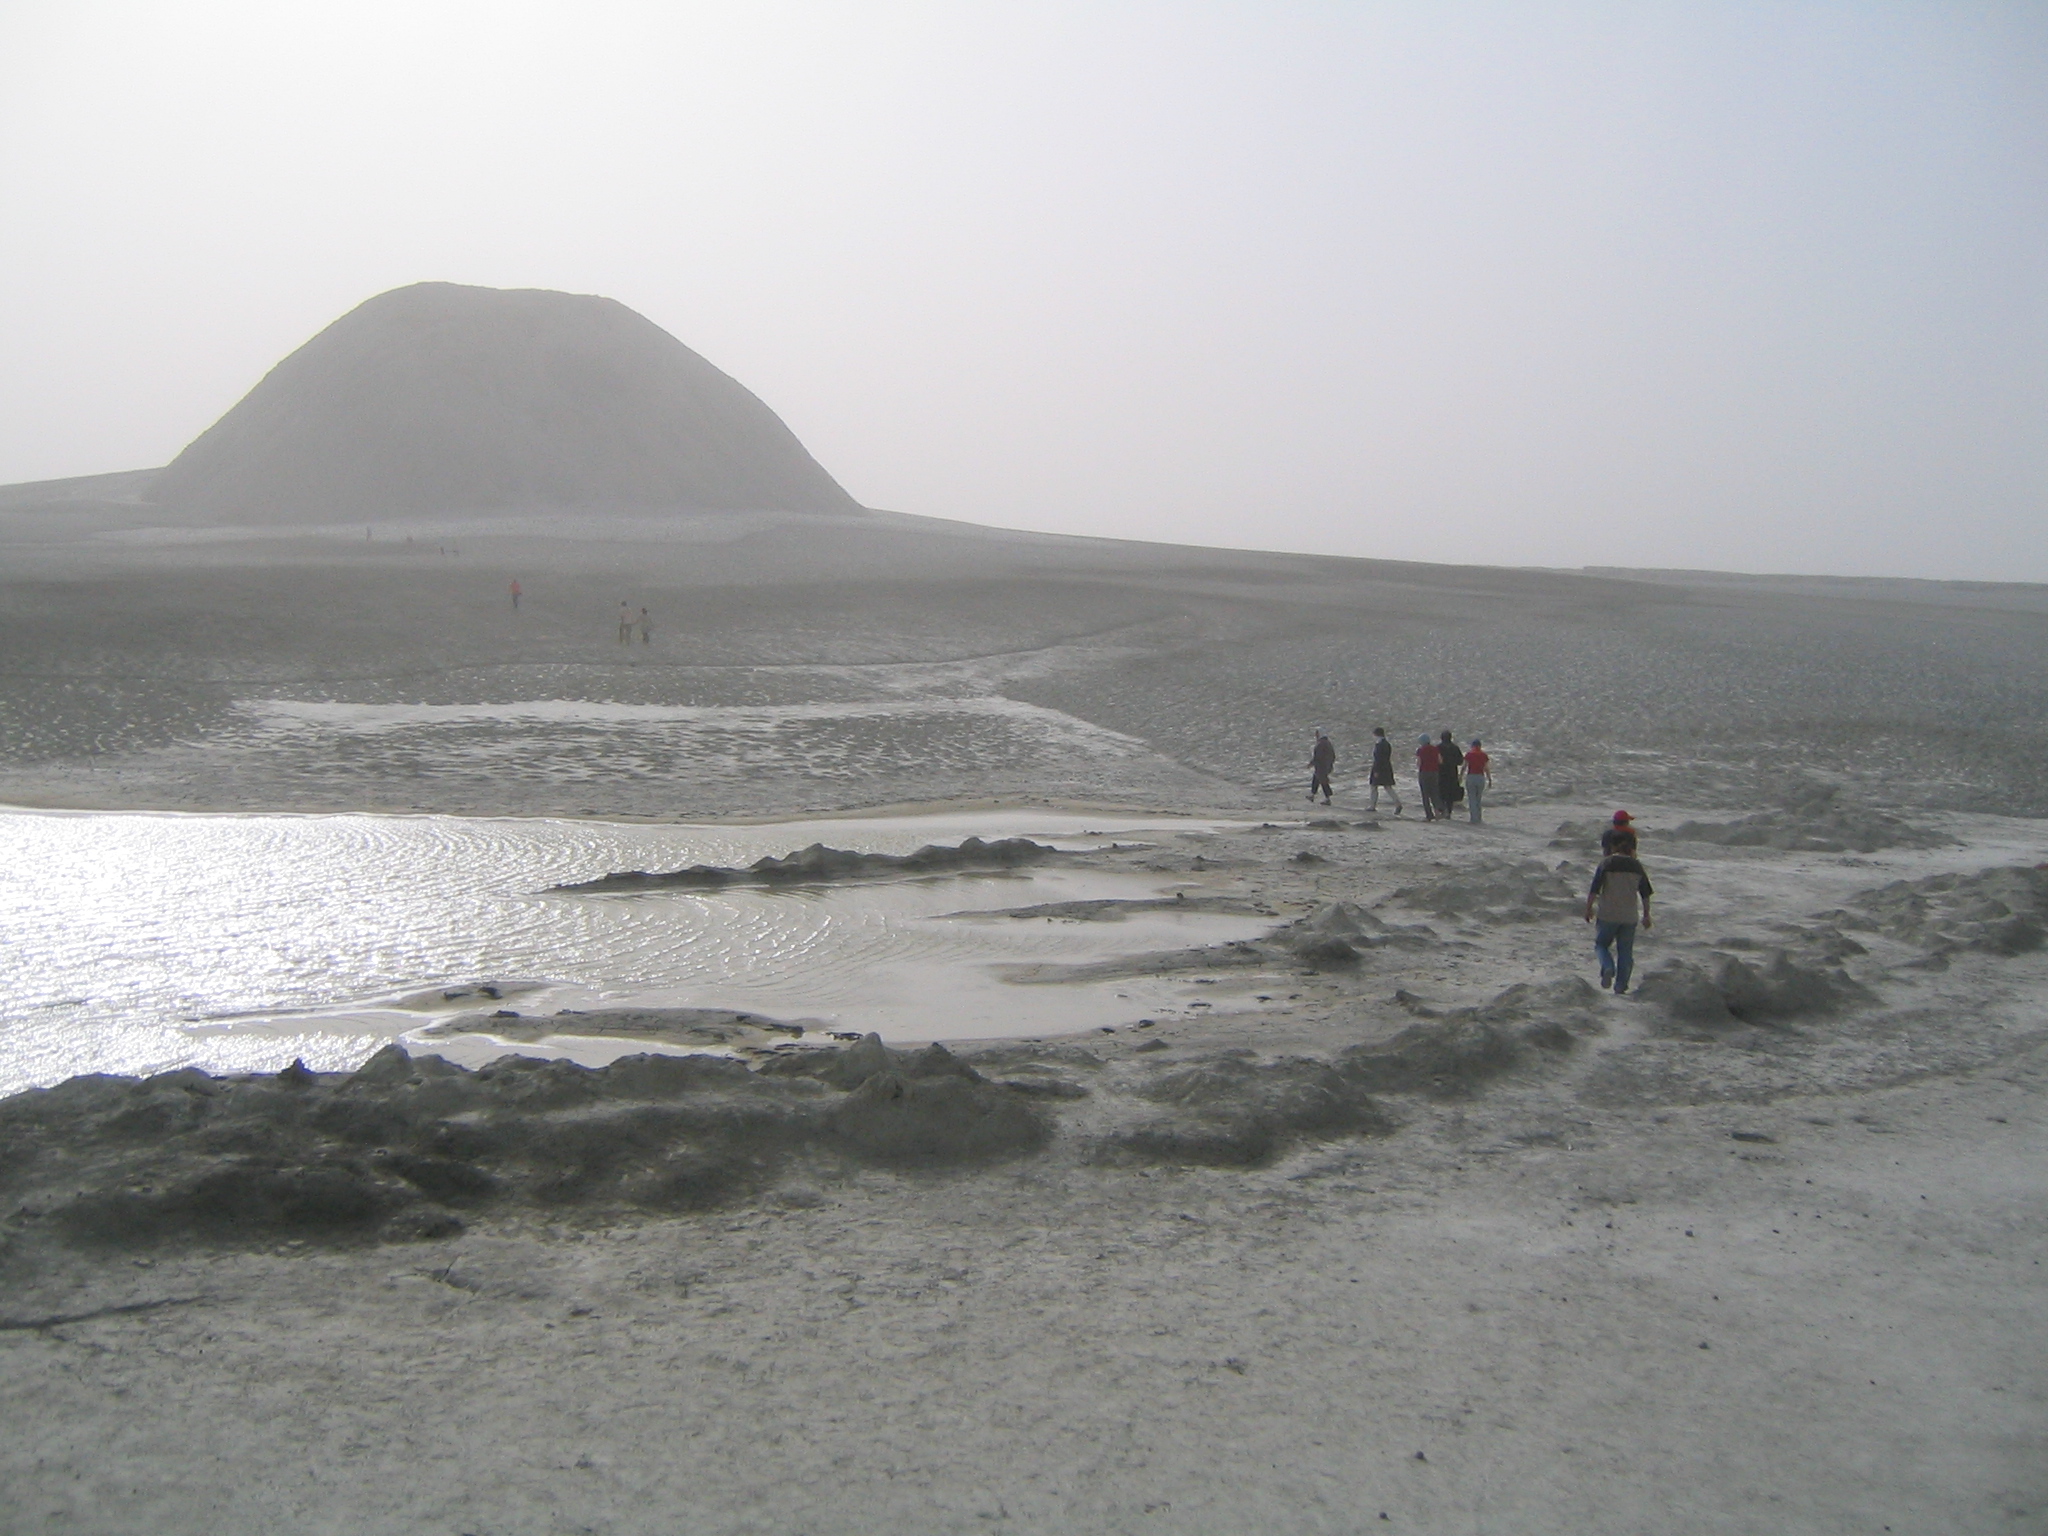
(1619, 836)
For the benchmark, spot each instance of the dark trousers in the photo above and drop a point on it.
(1319, 779)
(1427, 783)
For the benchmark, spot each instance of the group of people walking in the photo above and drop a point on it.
(1445, 774)
(1617, 903)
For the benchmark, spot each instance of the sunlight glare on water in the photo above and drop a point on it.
(137, 942)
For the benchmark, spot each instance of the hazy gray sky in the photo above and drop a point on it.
(1755, 287)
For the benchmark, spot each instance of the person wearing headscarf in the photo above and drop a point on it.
(1449, 760)
(1382, 776)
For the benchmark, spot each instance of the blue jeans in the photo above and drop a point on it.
(1615, 944)
(1475, 789)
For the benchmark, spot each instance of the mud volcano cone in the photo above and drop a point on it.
(442, 398)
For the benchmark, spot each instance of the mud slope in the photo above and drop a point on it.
(442, 398)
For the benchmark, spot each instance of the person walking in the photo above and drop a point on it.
(1448, 761)
(1620, 830)
(1382, 775)
(515, 594)
(1617, 901)
(1478, 779)
(1426, 777)
(646, 626)
(1320, 762)
(625, 623)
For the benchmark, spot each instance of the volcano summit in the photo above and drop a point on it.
(441, 398)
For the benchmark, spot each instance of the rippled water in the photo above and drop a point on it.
(139, 942)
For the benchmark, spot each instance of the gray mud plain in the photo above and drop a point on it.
(1400, 1224)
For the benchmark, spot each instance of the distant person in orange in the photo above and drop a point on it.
(1477, 778)
(646, 626)
(1320, 762)
(625, 623)
(515, 594)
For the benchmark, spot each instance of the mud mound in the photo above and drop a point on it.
(1235, 1113)
(1341, 932)
(1520, 890)
(1528, 1002)
(1452, 1057)
(1040, 1071)
(1582, 835)
(1236, 955)
(1114, 909)
(401, 1146)
(818, 863)
(855, 1064)
(940, 1121)
(440, 397)
(1729, 990)
(702, 1027)
(2001, 911)
(1817, 822)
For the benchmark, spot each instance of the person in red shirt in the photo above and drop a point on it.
(1477, 779)
(1427, 780)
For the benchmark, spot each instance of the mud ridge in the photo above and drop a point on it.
(2000, 911)
(1816, 821)
(819, 863)
(412, 1146)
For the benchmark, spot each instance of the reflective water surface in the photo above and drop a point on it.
(139, 942)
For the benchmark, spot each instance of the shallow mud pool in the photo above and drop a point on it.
(136, 943)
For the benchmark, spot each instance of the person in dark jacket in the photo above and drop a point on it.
(1617, 902)
(1449, 760)
(1426, 778)
(1320, 762)
(1383, 769)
